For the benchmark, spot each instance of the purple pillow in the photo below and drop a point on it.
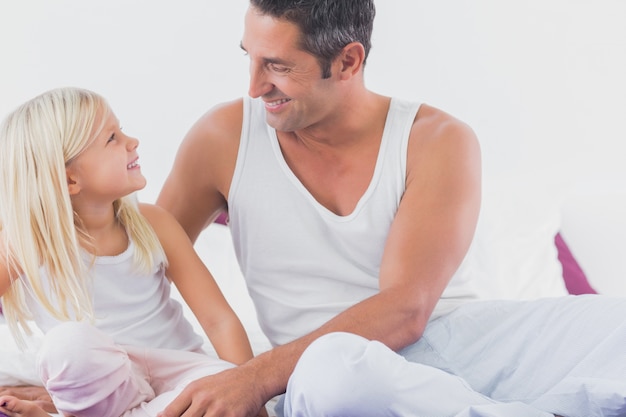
(575, 280)
(221, 219)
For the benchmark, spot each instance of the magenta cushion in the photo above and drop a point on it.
(222, 218)
(575, 279)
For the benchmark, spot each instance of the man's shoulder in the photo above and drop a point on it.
(437, 138)
(435, 125)
(220, 126)
(223, 116)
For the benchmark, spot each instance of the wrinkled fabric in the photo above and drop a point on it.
(564, 356)
(88, 375)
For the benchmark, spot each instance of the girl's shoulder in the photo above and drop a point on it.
(150, 210)
(164, 224)
(156, 216)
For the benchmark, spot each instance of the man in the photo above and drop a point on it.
(352, 214)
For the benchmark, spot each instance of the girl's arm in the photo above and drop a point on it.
(198, 288)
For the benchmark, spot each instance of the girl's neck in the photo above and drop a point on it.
(107, 237)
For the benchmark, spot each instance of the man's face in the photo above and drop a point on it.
(288, 79)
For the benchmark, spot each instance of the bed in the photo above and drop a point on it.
(536, 246)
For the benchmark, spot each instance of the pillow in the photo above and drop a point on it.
(594, 227)
(513, 253)
(573, 275)
(222, 218)
(17, 367)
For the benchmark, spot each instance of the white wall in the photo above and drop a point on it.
(542, 82)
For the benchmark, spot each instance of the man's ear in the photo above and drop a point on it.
(351, 58)
(72, 186)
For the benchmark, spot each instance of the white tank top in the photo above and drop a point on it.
(303, 264)
(132, 307)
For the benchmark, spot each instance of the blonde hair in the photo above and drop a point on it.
(38, 225)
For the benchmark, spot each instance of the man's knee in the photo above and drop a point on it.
(335, 355)
(338, 370)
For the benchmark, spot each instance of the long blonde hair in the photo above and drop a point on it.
(38, 225)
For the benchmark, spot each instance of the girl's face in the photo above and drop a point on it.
(107, 169)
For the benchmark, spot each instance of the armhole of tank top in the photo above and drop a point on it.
(411, 111)
(241, 153)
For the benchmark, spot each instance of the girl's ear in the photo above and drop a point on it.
(72, 185)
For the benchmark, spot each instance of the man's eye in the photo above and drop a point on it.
(279, 68)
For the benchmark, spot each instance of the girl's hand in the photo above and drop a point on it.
(36, 394)
(16, 407)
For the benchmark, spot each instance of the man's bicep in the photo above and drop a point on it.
(436, 218)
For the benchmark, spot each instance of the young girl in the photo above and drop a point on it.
(90, 266)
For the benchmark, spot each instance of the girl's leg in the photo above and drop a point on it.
(87, 374)
(170, 371)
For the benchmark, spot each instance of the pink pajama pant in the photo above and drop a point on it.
(88, 375)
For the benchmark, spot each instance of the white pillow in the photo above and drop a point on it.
(17, 367)
(515, 256)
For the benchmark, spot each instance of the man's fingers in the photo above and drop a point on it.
(177, 407)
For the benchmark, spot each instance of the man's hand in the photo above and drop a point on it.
(37, 395)
(233, 392)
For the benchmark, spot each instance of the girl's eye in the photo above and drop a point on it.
(112, 138)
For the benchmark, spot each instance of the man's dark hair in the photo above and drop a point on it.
(326, 25)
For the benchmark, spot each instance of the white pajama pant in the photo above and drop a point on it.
(88, 375)
(563, 356)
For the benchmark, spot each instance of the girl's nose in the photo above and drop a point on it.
(132, 143)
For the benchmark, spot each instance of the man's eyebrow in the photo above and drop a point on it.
(277, 61)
